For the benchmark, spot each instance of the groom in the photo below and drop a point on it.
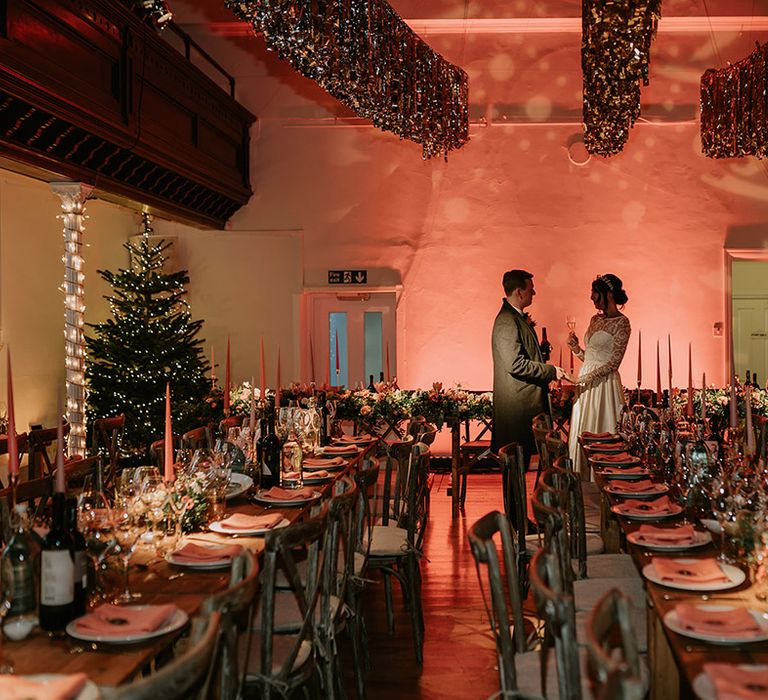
(520, 375)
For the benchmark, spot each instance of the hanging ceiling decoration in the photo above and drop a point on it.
(362, 53)
(615, 55)
(734, 112)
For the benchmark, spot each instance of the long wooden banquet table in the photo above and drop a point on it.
(676, 660)
(158, 582)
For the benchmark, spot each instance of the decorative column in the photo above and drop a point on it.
(73, 197)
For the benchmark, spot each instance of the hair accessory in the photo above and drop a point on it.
(606, 281)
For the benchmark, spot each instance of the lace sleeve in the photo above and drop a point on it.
(620, 339)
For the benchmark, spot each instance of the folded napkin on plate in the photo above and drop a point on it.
(339, 449)
(697, 571)
(354, 438)
(738, 682)
(651, 534)
(122, 620)
(618, 470)
(317, 474)
(618, 457)
(610, 446)
(191, 553)
(635, 486)
(277, 493)
(657, 505)
(735, 622)
(241, 521)
(598, 436)
(322, 461)
(57, 688)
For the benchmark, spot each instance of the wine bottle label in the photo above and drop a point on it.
(22, 575)
(81, 569)
(57, 578)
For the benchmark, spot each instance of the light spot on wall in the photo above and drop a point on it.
(456, 210)
(524, 144)
(675, 88)
(650, 141)
(551, 135)
(623, 184)
(668, 105)
(501, 67)
(638, 156)
(538, 107)
(632, 214)
(544, 66)
(673, 50)
(561, 80)
(531, 51)
(559, 276)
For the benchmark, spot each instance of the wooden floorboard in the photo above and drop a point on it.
(459, 652)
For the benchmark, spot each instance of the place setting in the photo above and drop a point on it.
(628, 473)
(644, 488)
(241, 524)
(639, 509)
(693, 574)
(279, 496)
(718, 623)
(126, 624)
(323, 463)
(334, 450)
(670, 538)
(361, 440)
(619, 458)
(593, 438)
(736, 681)
(239, 484)
(203, 556)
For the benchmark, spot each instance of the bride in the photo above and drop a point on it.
(600, 394)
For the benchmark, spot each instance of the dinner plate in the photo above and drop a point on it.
(611, 438)
(310, 478)
(700, 539)
(348, 450)
(672, 621)
(293, 502)
(621, 465)
(735, 575)
(90, 690)
(223, 563)
(238, 484)
(704, 687)
(674, 510)
(624, 475)
(173, 623)
(327, 467)
(616, 490)
(606, 449)
(360, 442)
(216, 527)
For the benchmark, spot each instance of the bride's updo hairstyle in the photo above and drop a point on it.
(610, 283)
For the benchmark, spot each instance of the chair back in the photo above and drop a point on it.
(35, 491)
(550, 520)
(197, 438)
(415, 517)
(78, 470)
(235, 604)
(227, 423)
(505, 611)
(38, 441)
(282, 549)
(366, 480)
(107, 441)
(556, 607)
(398, 455)
(612, 656)
(556, 447)
(184, 678)
(573, 502)
(339, 560)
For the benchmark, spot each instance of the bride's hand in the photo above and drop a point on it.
(573, 340)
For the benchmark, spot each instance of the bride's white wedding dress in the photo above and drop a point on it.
(600, 393)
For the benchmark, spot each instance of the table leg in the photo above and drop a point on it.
(610, 530)
(455, 459)
(665, 678)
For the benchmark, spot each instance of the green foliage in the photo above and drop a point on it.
(150, 340)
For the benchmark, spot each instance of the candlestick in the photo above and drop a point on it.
(658, 375)
(263, 381)
(227, 380)
(13, 446)
(669, 348)
(639, 357)
(689, 407)
(338, 366)
(168, 442)
(311, 360)
(61, 486)
(750, 441)
(277, 388)
(704, 396)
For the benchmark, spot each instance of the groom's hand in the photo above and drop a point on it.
(560, 373)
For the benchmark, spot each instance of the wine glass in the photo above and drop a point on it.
(723, 508)
(127, 537)
(96, 523)
(6, 596)
(570, 321)
(154, 497)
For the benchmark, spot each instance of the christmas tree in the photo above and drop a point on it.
(150, 340)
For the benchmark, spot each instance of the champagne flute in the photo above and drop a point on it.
(570, 321)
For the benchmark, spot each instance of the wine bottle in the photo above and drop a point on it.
(747, 382)
(19, 564)
(57, 572)
(323, 409)
(545, 345)
(754, 380)
(80, 558)
(371, 386)
(381, 377)
(270, 464)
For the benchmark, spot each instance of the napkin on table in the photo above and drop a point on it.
(191, 553)
(354, 438)
(657, 505)
(618, 470)
(665, 535)
(697, 571)
(597, 436)
(636, 486)
(241, 521)
(340, 449)
(323, 462)
(738, 683)
(121, 620)
(610, 446)
(617, 457)
(277, 493)
(735, 622)
(318, 474)
(61, 688)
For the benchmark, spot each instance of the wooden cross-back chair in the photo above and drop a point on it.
(197, 438)
(107, 440)
(38, 442)
(229, 422)
(35, 492)
(472, 449)
(21, 445)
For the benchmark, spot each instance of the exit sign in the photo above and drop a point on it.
(347, 276)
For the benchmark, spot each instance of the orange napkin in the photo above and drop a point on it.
(618, 470)
(618, 457)
(736, 622)
(610, 446)
(60, 688)
(323, 462)
(340, 449)
(656, 505)
(598, 436)
(277, 493)
(738, 683)
(116, 620)
(192, 553)
(241, 521)
(698, 571)
(665, 535)
(636, 486)
(365, 437)
(318, 474)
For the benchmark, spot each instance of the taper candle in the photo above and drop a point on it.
(658, 375)
(213, 369)
(263, 382)
(61, 486)
(689, 407)
(226, 382)
(669, 366)
(704, 396)
(13, 445)
(749, 444)
(311, 360)
(639, 358)
(168, 441)
(389, 373)
(252, 417)
(277, 388)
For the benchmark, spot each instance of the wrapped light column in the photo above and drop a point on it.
(73, 196)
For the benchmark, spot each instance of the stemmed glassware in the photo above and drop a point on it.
(6, 596)
(127, 536)
(724, 510)
(96, 523)
(154, 496)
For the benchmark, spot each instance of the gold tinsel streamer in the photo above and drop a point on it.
(615, 56)
(362, 53)
(733, 108)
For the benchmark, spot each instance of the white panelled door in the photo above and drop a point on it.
(750, 336)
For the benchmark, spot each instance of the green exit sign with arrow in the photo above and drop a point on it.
(347, 276)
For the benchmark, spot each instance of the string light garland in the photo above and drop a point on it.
(362, 53)
(73, 196)
(734, 113)
(615, 57)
